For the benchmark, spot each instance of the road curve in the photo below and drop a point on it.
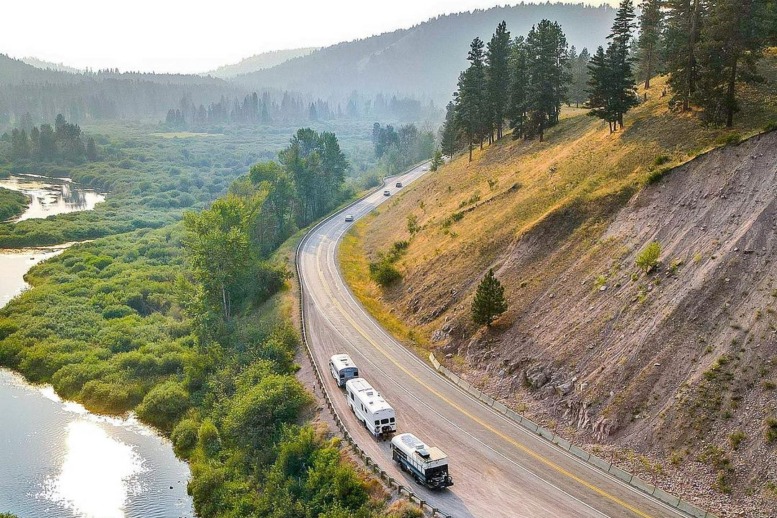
(499, 468)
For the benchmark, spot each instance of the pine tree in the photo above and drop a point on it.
(498, 76)
(449, 132)
(684, 19)
(579, 75)
(650, 27)
(612, 90)
(519, 82)
(547, 55)
(470, 100)
(600, 94)
(730, 43)
(489, 300)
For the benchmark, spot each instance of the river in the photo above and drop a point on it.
(56, 459)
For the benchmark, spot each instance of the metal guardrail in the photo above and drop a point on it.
(392, 483)
(599, 463)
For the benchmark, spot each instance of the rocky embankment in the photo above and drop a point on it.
(678, 365)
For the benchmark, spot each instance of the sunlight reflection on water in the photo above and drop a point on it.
(50, 196)
(98, 473)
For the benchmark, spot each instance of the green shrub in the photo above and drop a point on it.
(184, 437)
(384, 273)
(208, 438)
(647, 259)
(771, 430)
(661, 160)
(164, 405)
(736, 438)
(656, 175)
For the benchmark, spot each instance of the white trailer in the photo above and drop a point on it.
(370, 407)
(342, 369)
(427, 464)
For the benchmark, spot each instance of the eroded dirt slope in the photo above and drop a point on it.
(678, 364)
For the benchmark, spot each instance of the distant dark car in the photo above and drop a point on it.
(399, 184)
(349, 217)
(386, 193)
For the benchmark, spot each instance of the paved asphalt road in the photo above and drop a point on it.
(499, 469)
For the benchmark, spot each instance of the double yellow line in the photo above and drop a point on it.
(479, 421)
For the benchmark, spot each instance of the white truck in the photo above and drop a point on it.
(427, 464)
(370, 408)
(342, 369)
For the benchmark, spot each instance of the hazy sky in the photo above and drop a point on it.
(196, 35)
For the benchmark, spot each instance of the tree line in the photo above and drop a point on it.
(228, 243)
(397, 149)
(46, 144)
(707, 47)
(290, 107)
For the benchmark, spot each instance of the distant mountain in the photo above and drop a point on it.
(108, 94)
(48, 65)
(425, 60)
(260, 62)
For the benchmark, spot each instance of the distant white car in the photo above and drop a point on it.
(349, 217)
(386, 193)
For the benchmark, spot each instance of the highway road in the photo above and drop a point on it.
(499, 469)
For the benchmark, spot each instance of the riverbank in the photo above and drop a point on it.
(12, 204)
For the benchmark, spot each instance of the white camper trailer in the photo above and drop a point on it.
(370, 407)
(342, 369)
(427, 464)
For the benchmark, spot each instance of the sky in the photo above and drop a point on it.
(193, 36)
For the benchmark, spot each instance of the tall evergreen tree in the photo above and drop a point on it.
(498, 77)
(730, 44)
(612, 87)
(547, 55)
(449, 132)
(470, 100)
(519, 82)
(684, 20)
(600, 88)
(489, 300)
(650, 27)
(579, 76)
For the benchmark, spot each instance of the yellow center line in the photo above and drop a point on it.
(482, 423)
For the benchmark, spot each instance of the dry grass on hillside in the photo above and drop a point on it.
(638, 364)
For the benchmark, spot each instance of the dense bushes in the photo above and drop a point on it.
(12, 204)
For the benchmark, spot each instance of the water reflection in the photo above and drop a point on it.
(58, 460)
(14, 264)
(98, 473)
(50, 196)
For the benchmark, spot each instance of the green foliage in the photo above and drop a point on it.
(736, 438)
(647, 259)
(612, 85)
(12, 204)
(256, 414)
(383, 270)
(437, 160)
(209, 439)
(164, 405)
(412, 224)
(184, 437)
(489, 300)
(771, 430)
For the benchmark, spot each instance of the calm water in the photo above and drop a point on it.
(56, 459)
(50, 196)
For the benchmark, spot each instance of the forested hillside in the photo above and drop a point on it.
(259, 62)
(424, 60)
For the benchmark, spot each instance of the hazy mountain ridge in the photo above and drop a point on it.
(48, 65)
(259, 62)
(424, 60)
